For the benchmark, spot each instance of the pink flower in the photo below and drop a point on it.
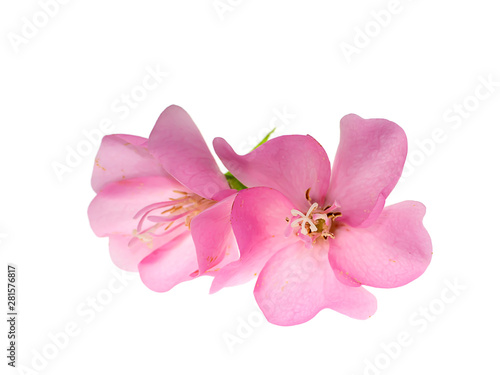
(313, 234)
(160, 198)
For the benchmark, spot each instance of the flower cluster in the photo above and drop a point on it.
(311, 233)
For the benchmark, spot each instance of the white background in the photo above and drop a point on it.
(233, 74)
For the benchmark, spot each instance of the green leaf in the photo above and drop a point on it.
(265, 139)
(233, 182)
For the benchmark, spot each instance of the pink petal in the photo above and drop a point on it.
(259, 222)
(181, 149)
(213, 236)
(290, 164)
(368, 164)
(345, 279)
(170, 265)
(224, 194)
(113, 209)
(125, 257)
(127, 254)
(297, 283)
(392, 252)
(123, 156)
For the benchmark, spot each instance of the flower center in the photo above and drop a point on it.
(314, 224)
(164, 217)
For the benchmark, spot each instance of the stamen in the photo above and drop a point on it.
(311, 209)
(161, 219)
(150, 208)
(180, 192)
(187, 206)
(334, 215)
(304, 219)
(315, 224)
